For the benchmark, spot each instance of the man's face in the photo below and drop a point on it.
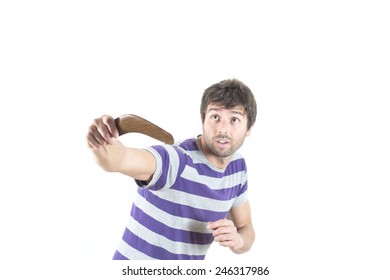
(224, 130)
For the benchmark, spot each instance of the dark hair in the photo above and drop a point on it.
(229, 94)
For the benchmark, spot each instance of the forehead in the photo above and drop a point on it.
(218, 108)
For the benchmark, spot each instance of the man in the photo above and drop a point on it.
(193, 192)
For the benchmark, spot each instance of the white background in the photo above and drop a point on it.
(318, 157)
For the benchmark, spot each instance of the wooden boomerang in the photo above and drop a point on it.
(133, 123)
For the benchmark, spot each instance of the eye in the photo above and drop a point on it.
(215, 117)
(235, 120)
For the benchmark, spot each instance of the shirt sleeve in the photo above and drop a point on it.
(243, 197)
(242, 194)
(167, 166)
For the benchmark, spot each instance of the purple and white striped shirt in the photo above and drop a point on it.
(169, 216)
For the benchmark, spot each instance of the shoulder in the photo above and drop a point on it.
(237, 162)
(187, 145)
(179, 149)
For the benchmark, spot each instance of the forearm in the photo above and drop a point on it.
(246, 234)
(111, 155)
(136, 163)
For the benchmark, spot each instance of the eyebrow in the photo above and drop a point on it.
(233, 111)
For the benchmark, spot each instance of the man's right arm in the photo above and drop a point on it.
(113, 156)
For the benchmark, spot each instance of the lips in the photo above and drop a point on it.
(223, 140)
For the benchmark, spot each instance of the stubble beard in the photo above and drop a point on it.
(233, 146)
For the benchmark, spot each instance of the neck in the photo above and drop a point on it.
(218, 162)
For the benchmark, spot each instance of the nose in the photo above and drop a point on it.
(222, 128)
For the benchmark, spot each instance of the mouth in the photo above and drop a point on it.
(222, 141)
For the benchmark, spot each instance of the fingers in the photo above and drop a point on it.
(94, 138)
(110, 123)
(220, 223)
(103, 131)
(224, 232)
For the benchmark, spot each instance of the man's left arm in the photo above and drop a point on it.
(236, 232)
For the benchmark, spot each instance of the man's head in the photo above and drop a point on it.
(229, 94)
(228, 112)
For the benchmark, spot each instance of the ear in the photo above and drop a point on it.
(248, 132)
(201, 122)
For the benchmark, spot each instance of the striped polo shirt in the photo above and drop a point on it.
(169, 216)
